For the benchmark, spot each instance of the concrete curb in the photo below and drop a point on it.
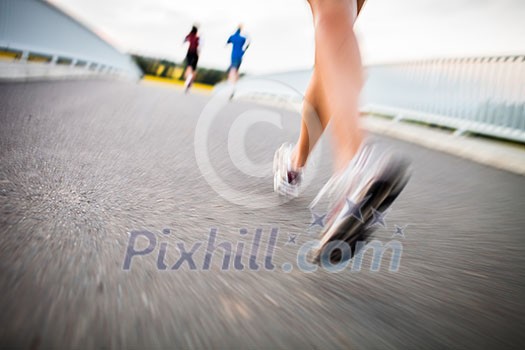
(497, 154)
(25, 72)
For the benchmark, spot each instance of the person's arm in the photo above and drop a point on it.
(246, 43)
(201, 42)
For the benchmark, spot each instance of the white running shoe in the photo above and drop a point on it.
(372, 181)
(286, 181)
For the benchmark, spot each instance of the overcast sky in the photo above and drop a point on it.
(282, 31)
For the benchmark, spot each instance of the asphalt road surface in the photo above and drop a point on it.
(89, 167)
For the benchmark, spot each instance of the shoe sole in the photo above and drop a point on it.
(380, 196)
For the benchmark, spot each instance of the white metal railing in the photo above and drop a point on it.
(483, 95)
(36, 28)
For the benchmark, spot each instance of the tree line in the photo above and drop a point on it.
(169, 69)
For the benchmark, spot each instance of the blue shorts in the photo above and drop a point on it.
(236, 63)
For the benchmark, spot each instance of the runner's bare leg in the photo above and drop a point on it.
(233, 75)
(338, 80)
(315, 118)
(189, 77)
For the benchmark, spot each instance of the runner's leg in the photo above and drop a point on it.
(338, 64)
(189, 76)
(232, 75)
(315, 118)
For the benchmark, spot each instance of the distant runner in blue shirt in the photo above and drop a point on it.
(240, 43)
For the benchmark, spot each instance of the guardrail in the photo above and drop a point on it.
(482, 95)
(37, 39)
(29, 64)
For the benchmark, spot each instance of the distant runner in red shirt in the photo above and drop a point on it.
(192, 57)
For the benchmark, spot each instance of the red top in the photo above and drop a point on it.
(193, 39)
